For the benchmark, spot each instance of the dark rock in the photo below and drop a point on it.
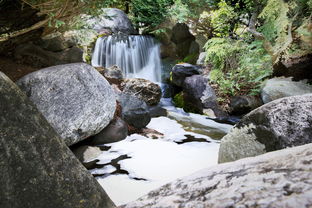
(232, 120)
(297, 67)
(116, 131)
(87, 155)
(36, 56)
(75, 99)
(199, 96)
(240, 105)
(143, 89)
(193, 89)
(157, 111)
(282, 123)
(37, 169)
(181, 33)
(55, 43)
(181, 71)
(134, 111)
(283, 87)
(276, 179)
(112, 19)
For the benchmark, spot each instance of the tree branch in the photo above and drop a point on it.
(7, 36)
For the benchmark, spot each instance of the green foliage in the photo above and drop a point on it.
(178, 100)
(149, 13)
(191, 58)
(238, 67)
(222, 52)
(223, 19)
(275, 19)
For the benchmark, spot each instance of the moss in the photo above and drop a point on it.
(178, 100)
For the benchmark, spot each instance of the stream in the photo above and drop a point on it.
(131, 168)
(138, 164)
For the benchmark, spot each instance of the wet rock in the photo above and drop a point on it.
(181, 71)
(282, 123)
(36, 56)
(111, 19)
(37, 169)
(240, 105)
(87, 155)
(143, 89)
(283, 87)
(75, 99)
(276, 179)
(116, 131)
(298, 67)
(134, 111)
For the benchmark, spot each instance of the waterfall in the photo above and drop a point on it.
(138, 56)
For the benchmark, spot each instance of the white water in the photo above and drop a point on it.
(158, 161)
(138, 56)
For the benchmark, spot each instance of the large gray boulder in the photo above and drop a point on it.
(143, 89)
(134, 110)
(282, 123)
(277, 179)
(75, 99)
(113, 20)
(283, 87)
(37, 169)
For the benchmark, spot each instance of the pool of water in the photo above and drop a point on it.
(131, 168)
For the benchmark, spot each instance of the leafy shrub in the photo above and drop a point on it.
(238, 67)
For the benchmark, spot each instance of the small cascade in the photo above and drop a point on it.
(138, 56)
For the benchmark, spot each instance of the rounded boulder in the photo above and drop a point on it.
(74, 98)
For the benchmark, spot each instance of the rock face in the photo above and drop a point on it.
(283, 87)
(75, 99)
(36, 56)
(37, 169)
(181, 71)
(134, 111)
(282, 123)
(184, 40)
(143, 89)
(277, 179)
(240, 105)
(113, 20)
(116, 131)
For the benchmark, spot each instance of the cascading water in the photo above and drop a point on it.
(138, 56)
